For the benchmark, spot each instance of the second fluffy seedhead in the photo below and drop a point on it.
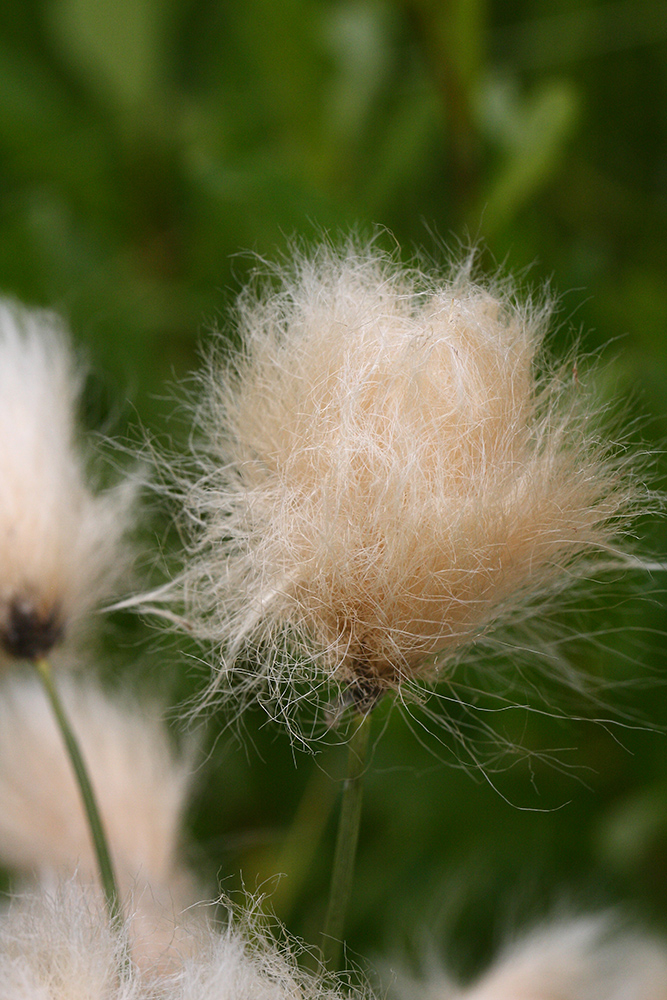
(388, 470)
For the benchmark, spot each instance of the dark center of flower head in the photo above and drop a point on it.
(27, 633)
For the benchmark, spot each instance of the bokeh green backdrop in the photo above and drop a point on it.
(147, 145)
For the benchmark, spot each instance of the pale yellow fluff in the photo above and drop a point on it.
(62, 541)
(141, 787)
(387, 470)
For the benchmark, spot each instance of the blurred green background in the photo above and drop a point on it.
(147, 145)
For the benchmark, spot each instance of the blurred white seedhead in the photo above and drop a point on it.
(141, 786)
(588, 958)
(388, 471)
(62, 541)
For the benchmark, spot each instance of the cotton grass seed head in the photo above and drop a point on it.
(61, 541)
(387, 471)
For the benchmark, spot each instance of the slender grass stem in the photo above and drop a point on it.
(346, 844)
(90, 805)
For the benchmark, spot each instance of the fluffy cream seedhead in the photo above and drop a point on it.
(62, 542)
(388, 469)
(589, 958)
(141, 787)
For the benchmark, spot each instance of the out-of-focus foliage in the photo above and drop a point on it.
(147, 145)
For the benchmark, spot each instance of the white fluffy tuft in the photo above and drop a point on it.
(58, 946)
(140, 786)
(62, 545)
(389, 469)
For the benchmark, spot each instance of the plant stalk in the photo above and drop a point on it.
(346, 844)
(104, 864)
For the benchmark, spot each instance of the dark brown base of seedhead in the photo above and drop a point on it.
(365, 689)
(28, 634)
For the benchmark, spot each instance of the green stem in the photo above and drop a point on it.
(346, 844)
(90, 805)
